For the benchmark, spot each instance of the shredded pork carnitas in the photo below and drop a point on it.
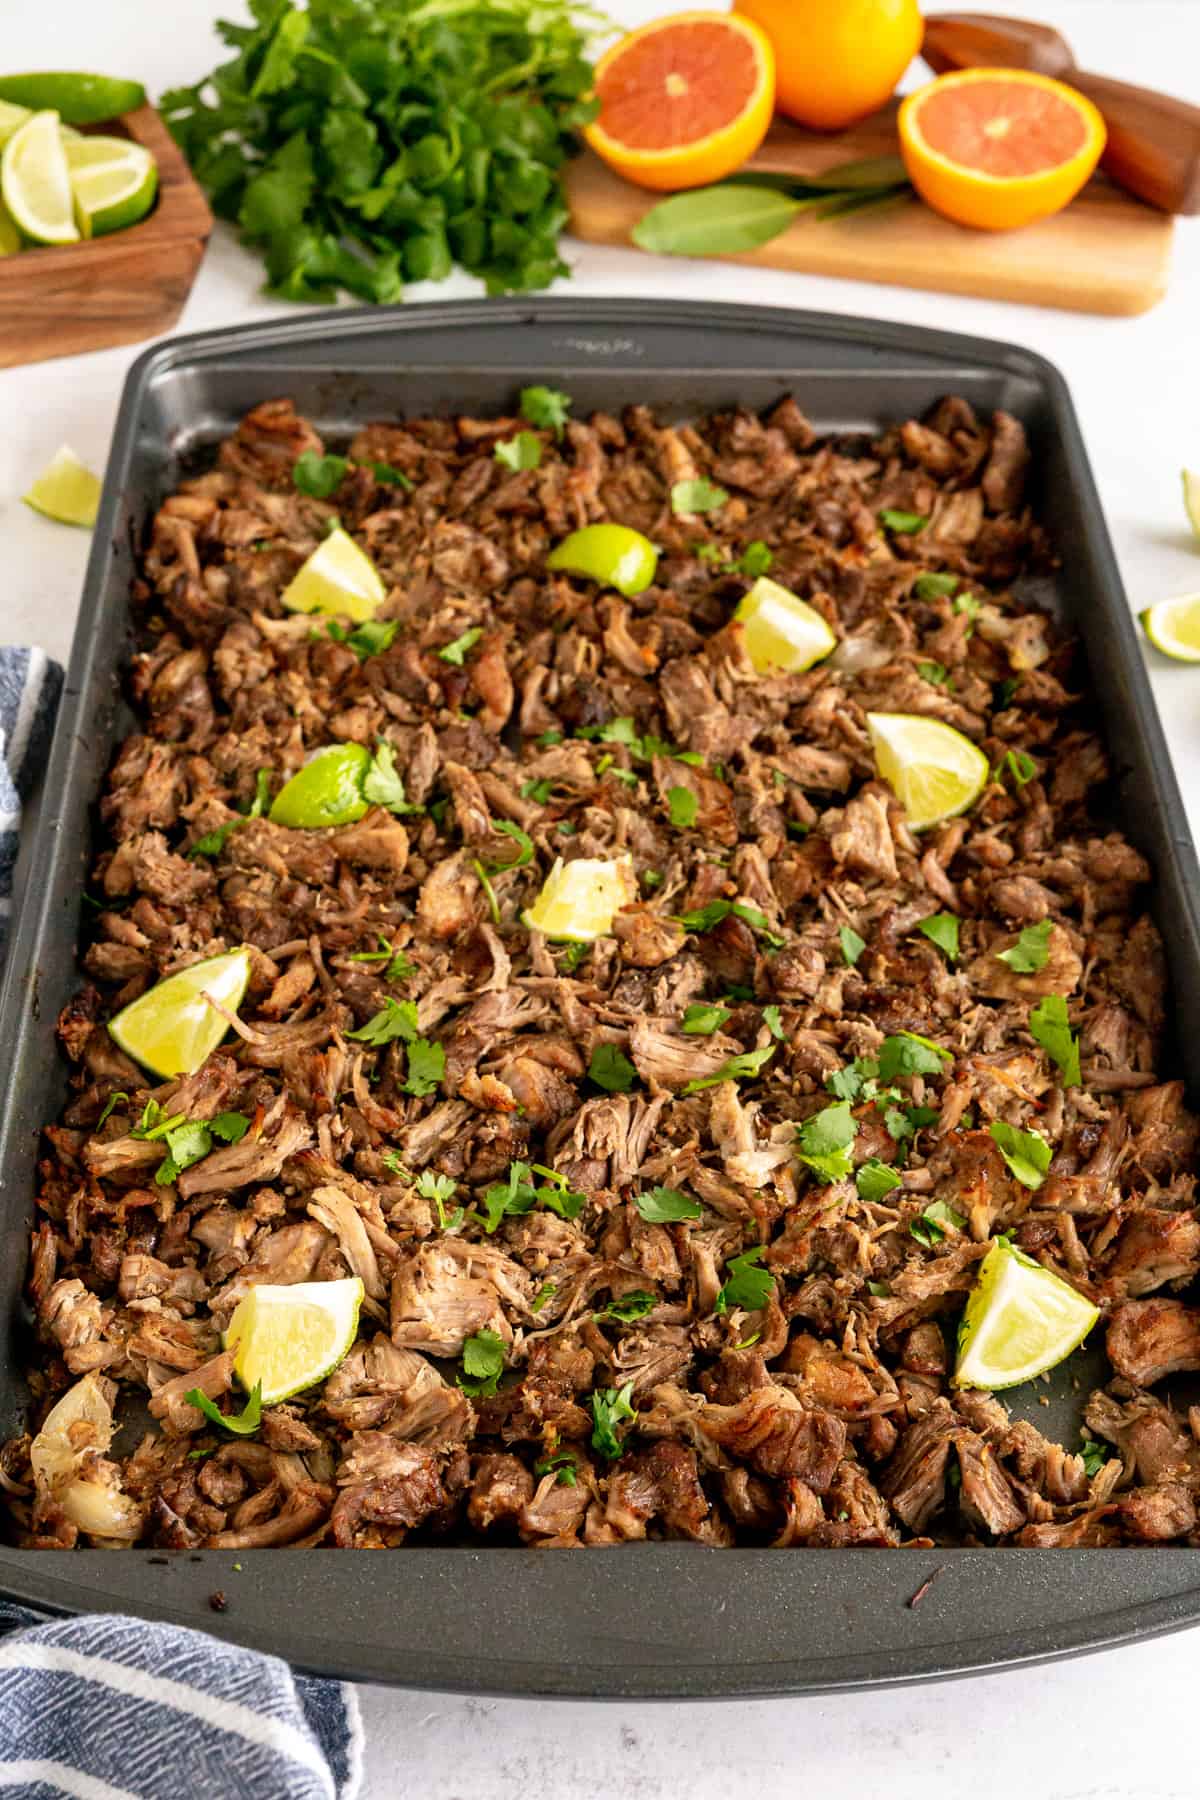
(773, 1366)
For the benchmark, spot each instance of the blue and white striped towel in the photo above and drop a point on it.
(107, 1708)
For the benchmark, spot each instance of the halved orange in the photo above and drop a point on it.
(998, 148)
(684, 100)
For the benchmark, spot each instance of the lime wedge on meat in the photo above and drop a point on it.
(171, 1029)
(1173, 626)
(1191, 499)
(10, 117)
(781, 630)
(36, 183)
(614, 555)
(580, 899)
(337, 578)
(1020, 1321)
(933, 770)
(66, 490)
(289, 1338)
(81, 99)
(328, 790)
(114, 183)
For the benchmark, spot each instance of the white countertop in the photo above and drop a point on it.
(1110, 1727)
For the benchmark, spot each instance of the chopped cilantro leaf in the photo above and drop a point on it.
(611, 1069)
(756, 559)
(666, 1206)
(698, 496)
(935, 587)
(563, 1464)
(1031, 951)
(629, 1307)
(1093, 1455)
(546, 408)
(544, 1294)
(701, 1020)
(683, 807)
(970, 605)
(1027, 1153)
(242, 1424)
(825, 1141)
(942, 929)
(538, 791)
(319, 476)
(908, 523)
(383, 784)
(186, 1144)
(1051, 1028)
(936, 673)
(907, 1053)
(114, 1100)
(1017, 764)
(705, 917)
(395, 1019)
(934, 1223)
(230, 1127)
(610, 1406)
(387, 475)
(746, 1285)
(874, 1179)
(372, 637)
(521, 452)
(426, 1066)
(737, 1068)
(852, 945)
(483, 1363)
(457, 651)
(773, 1021)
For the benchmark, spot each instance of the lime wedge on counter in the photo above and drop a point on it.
(171, 1029)
(81, 99)
(36, 183)
(66, 490)
(933, 770)
(10, 118)
(782, 631)
(337, 578)
(1173, 626)
(614, 555)
(289, 1338)
(1020, 1321)
(114, 183)
(580, 899)
(1191, 499)
(328, 790)
(10, 237)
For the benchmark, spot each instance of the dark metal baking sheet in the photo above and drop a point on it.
(645, 1620)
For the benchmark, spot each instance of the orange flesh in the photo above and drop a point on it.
(678, 86)
(1002, 128)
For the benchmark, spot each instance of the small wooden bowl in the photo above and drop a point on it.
(110, 290)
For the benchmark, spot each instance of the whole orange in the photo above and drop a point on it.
(836, 60)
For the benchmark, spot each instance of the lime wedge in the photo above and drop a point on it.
(782, 631)
(580, 899)
(81, 99)
(10, 237)
(1173, 626)
(328, 790)
(35, 181)
(171, 1029)
(10, 117)
(933, 770)
(337, 578)
(1020, 1321)
(289, 1338)
(614, 555)
(1191, 499)
(114, 183)
(65, 490)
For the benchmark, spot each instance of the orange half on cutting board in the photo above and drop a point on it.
(684, 100)
(999, 148)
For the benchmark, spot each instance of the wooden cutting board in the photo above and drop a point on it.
(1107, 253)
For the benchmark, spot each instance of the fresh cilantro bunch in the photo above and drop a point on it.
(360, 144)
